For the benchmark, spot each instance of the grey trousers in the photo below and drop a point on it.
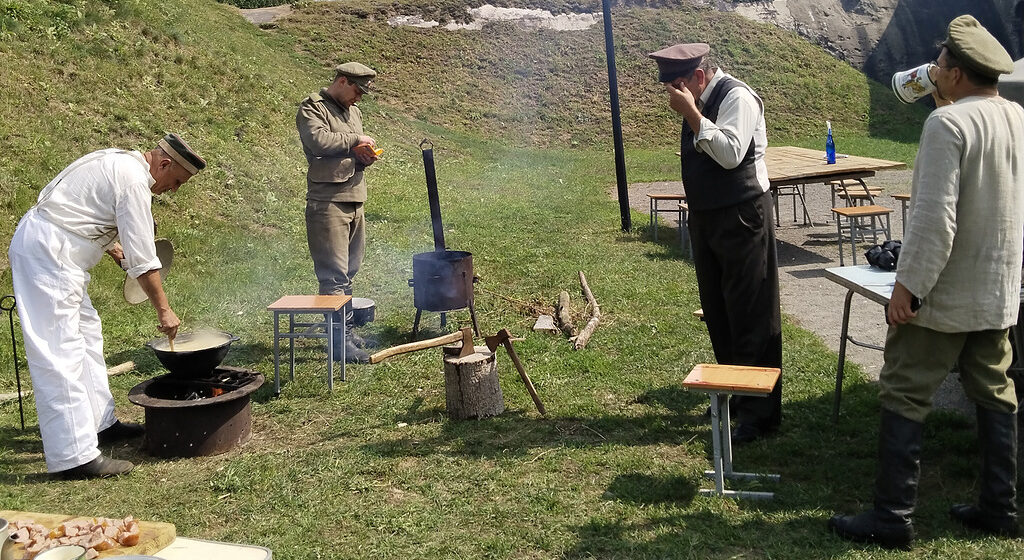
(336, 233)
(918, 359)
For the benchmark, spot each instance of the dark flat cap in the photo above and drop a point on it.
(180, 152)
(358, 74)
(679, 60)
(973, 45)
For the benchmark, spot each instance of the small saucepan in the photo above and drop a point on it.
(195, 354)
(362, 310)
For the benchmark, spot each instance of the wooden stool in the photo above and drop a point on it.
(904, 199)
(854, 190)
(302, 305)
(797, 193)
(684, 231)
(654, 199)
(855, 228)
(720, 381)
(857, 196)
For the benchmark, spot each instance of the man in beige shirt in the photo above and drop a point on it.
(331, 129)
(962, 257)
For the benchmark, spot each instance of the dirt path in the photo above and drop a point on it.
(808, 298)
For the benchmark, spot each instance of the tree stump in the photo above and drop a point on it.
(471, 385)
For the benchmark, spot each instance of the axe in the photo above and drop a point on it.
(465, 336)
(504, 338)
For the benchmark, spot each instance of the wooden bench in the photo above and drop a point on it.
(655, 198)
(719, 382)
(855, 227)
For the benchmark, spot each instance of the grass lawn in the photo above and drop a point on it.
(375, 469)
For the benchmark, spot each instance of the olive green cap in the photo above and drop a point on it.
(973, 45)
(358, 74)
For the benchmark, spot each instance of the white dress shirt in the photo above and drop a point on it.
(102, 196)
(740, 118)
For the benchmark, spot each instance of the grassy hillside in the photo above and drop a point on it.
(549, 88)
(375, 469)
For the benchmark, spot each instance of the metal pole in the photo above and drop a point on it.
(613, 89)
(8, 303)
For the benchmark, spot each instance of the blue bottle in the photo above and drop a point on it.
(830, 145)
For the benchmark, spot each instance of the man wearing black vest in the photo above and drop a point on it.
(726, 182)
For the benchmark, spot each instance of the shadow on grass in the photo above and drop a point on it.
(642, 488)
(517, 433)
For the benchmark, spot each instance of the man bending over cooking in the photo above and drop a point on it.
(99, 198)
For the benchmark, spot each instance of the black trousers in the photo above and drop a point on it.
(738, 278)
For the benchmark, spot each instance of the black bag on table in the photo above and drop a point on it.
(884, 256)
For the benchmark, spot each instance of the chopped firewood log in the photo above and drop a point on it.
(121, 368)
(562, 314)
(595, 315)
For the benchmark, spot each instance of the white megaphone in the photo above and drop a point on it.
(911, 85)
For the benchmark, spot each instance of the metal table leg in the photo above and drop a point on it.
(844, 332)
(330, 351)
(277, 361)
(291, 345)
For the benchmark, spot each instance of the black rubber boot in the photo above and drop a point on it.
(120, 431)
(889, 523)
(353, 354)
(100, 467)
(345, 317)
(996, 512)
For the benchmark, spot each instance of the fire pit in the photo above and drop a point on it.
(194, 416)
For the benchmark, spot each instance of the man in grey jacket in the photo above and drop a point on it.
(962, 257)
(331, 129)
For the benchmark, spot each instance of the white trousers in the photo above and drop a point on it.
(63, 339)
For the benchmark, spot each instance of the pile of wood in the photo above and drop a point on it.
(563, 317)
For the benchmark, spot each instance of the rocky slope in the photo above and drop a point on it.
(882, 36)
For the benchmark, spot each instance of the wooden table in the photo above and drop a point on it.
(873, 283)
(301, 305)
(792, 166)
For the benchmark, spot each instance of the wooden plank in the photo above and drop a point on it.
(732, 379)
(153, 535)
(545, 323)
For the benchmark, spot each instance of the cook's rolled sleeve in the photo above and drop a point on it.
(929, 240)
(135, 228)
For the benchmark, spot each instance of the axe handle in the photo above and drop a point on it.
(522, 374)
(414, 346)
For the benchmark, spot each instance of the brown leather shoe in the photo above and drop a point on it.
(100, 467)
(119, 431)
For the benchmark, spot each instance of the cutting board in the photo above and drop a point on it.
(153, 535)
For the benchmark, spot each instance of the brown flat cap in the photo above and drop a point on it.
(358, 74)
(679, 60)
(182, 153)
(973, 45)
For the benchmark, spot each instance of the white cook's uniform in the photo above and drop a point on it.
(98, 198)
